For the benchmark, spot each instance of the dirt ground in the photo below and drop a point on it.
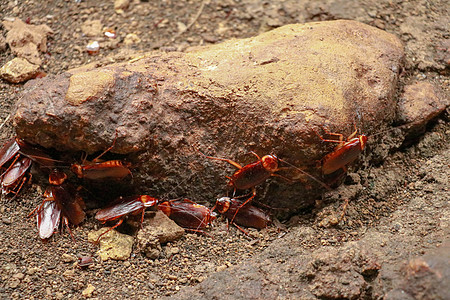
(416, 173)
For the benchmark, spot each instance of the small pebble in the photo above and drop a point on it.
(6, 220)
(31, 271)
(19, 276)
(221, 268)
(88, 291)
(68, 258)
(14, 283)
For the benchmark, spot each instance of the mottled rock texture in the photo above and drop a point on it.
(421, 102)
(268, 94)
(425, 277)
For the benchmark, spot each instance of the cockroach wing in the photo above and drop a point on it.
(247, 216)
(114, 169)
(48, 219)
(8, 151)
(121, 208)
(66, 199)
(249, 176)
(16, 171)
(188, 214)
(251, 216)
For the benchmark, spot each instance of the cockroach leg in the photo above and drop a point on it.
(244, 203)
(231, 162)
(109, 229)
(66, 222)
(240, 228)
(109, 148)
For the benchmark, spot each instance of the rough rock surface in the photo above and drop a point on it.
(426, 277)
(156, 231)
(420, 102)
(268, 94)
(26, 41)
(18, 70)
(161, 227)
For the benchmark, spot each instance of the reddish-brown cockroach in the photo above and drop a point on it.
(19, 155)
(115, 169)
(61, 202)
(15, 176)
(48, 216)
(247, 215)
(85, 261)
(253, 174)
(344, 154)
(35, 154)
(94, 170)
(9, 150)
(188, 214)
(123, 207)
(66, 197)
(16, 146)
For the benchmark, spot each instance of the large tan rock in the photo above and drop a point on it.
(26, 41)
(267, 94)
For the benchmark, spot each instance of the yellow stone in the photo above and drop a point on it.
(88, 291)
(113, 245)
(86, 86)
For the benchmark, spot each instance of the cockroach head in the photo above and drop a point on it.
(148, 201)
(57, 177)
(165, 208)
(270, 163)
(223, 204)
(77, 169)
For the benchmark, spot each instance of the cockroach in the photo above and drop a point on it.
(253, 174)
(123, 207)
(35, 154)
(48, 216)
(94, 170)
(9, 150)
(15, 176)
(101, 170)
(66, 197)
(61, 201)
(19, 155)
(344, 154)
(16, 146)
(85, 261)
(188, 214)
(244, 215)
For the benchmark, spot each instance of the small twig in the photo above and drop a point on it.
(6, 120)
(199, 12)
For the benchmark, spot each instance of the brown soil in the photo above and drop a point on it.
(31, 269)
